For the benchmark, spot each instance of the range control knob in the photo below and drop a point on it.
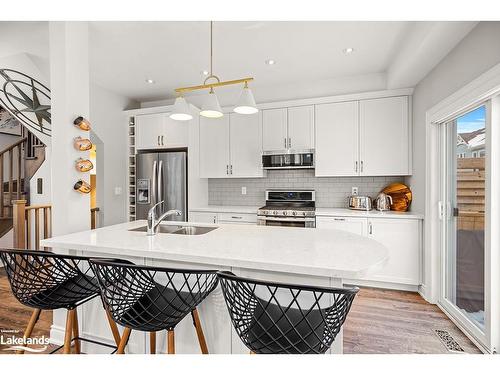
(294, 213)
(265, 212)
(304, 213)
(275, 212)
(285, 213)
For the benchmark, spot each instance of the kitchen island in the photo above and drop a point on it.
(321, 257)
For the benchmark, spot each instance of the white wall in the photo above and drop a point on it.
(476, 53)
(109, 125)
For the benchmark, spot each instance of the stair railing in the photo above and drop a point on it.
(14, 151)
(27, 224)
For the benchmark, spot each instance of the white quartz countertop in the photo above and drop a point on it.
(323, 211)
(235, 209)
(305, 251)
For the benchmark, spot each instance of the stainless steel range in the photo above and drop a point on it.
(288, 208)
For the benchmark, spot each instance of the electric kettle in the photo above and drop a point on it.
(383, 202)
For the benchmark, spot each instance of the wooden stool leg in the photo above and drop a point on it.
(76, 333)
(31, 324)
(114, 328)
(171, 342)
(68, 332)
(199, 331)
(123, 341)
(152, 342)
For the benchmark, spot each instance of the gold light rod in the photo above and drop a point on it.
(211, 85)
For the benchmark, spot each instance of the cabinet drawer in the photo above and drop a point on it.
(234, 217)
(355, 225)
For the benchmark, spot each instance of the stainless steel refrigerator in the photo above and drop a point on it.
(161, 176)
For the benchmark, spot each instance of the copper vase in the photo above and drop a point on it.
(82, 144)
(82, 187)
(82, 123)
(83, 165)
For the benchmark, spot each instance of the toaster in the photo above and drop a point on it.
(360, 202)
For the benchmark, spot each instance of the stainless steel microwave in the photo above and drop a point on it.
(288, 160)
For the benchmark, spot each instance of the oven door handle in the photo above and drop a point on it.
(287, 219)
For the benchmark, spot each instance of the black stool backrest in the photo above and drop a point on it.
(281, 318)
(45, 280)
(150, 298)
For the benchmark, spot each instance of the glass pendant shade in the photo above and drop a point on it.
(82, 144)
(211, 107)
(82, 187)
(83, 165)
(246, 103)
(82, 123)
(181, 110)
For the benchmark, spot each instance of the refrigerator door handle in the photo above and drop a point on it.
(153, 185)
(160, 181)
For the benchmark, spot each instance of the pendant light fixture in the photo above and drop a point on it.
(246, 104)
(181, 110)
(210, 106)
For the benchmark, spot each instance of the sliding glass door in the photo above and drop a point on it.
(465, 185)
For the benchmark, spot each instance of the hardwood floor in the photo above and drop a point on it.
(380, 321)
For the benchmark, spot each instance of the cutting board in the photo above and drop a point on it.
(401, 196)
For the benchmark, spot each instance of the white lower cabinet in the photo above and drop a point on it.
(202, 217)
(401, 237)
(222, 217)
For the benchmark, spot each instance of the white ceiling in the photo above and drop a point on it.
(124, 54)
(309, 57)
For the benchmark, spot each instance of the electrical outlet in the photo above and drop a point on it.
(243, 190)
(354, 190)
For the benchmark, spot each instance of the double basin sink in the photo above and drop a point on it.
(189, 230)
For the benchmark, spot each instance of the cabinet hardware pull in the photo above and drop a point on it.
(162, 140)
(339, 219)
(356, 167)
(227, 168)
(158, 140)
(237, 217)
(285, 142)
(370, 228)
(231, 169)
(361, 165)
(289, 142)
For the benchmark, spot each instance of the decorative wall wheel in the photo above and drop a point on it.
(26, 99)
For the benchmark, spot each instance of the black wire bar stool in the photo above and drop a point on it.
(47, 281)
(276, 318)
(152, 299)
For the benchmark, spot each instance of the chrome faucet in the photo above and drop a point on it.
(154, 222)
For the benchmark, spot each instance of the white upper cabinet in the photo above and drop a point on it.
(214, 147)
(158, 130)
(337, 150)
(245, 145)
(275, 135)
(149, 129)
(288, 128)
(231, 146)
(175, 133)
(301, 127)
(384, 137)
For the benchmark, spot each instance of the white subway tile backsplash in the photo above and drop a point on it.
(330, 191)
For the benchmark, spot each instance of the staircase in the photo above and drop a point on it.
(18, 163)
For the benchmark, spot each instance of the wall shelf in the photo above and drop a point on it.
(131, 167)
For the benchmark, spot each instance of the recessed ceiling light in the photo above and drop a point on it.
(348, 50)
(150, 81)
(270, 62)
(205, 72)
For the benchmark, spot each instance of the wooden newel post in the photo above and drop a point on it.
(19, 223)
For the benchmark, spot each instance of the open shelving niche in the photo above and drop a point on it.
(131, 168)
